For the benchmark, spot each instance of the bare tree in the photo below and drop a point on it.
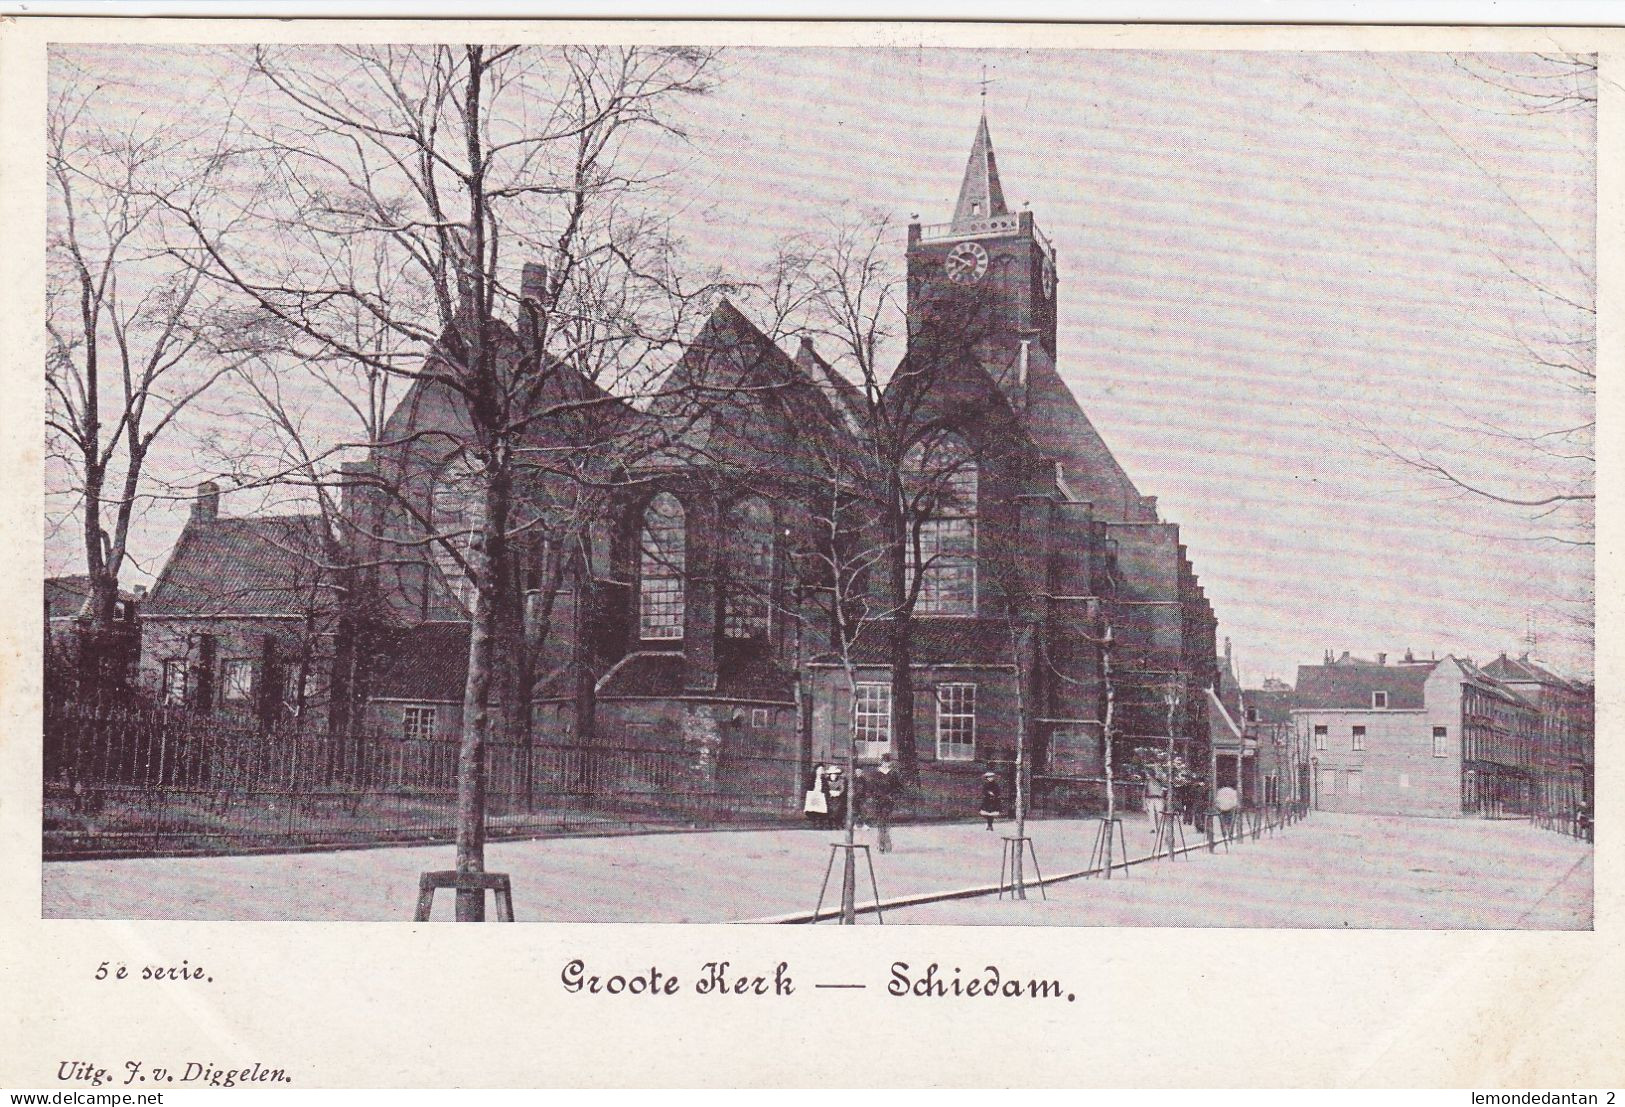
(131, 332)
(842, 286)
(1536, 84)
(1532, 473)
(448, 166)
(837, 576)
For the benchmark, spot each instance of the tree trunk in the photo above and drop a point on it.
(849, 868)
(1018, 881)
(471, 760)
(900, 650)
(485, 562)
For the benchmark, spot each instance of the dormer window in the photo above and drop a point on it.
(1379, 701)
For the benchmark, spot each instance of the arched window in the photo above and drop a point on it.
(747, 558)
(456, 511)
(662, 549)
(942, 479)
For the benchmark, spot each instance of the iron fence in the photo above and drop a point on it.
(128, 782)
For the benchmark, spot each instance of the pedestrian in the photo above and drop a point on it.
(815, 803)
(859, 793)
(883, 790)
(835, 788)
(1156, 795)
(992, 798)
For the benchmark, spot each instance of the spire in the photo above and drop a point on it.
(980, 195)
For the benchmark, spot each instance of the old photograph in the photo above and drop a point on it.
(804, 484)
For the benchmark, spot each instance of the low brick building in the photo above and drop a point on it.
(246, 620)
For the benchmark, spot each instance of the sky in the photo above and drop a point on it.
(1266, 261)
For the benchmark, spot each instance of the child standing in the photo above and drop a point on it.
(992, 798)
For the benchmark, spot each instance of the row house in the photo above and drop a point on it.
(1565, 755)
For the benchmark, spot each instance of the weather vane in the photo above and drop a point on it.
(984, 82)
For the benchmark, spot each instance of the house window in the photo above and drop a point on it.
(1357, 739)
(1328, 782)
(1440, 748)
(943, 481)
(418, 723)
(175, 683)
(662, 559)
(1320, 737)
(236, 681)
(1355, 787)
(758, 717)
(747, 562)
(1379, 701)
(1252, 714)
(956, 722)
(871, 719)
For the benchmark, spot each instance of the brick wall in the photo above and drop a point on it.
(1397, 773)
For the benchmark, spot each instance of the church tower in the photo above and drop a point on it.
(986, 251)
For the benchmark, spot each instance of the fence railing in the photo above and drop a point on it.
(169, 781)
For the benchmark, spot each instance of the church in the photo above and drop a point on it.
(1036, 599)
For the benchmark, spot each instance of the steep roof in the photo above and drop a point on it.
(270, 565)
(575, 404)
(735, 397)
(1273, 705)
(1521, 670)
(1056, 420)
(845, 397)
(980, 194)
(65, 597)
(1222, 729)
(1472, 674)
(1348, 687)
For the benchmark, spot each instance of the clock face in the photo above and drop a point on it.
(966, 263)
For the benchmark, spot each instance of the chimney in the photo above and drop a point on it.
(533, 283)
(1409, 657)
(206, 508)
(1382, 659)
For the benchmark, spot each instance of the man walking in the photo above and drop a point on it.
(883, 789)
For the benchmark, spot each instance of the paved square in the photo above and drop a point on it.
(1328, 871)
